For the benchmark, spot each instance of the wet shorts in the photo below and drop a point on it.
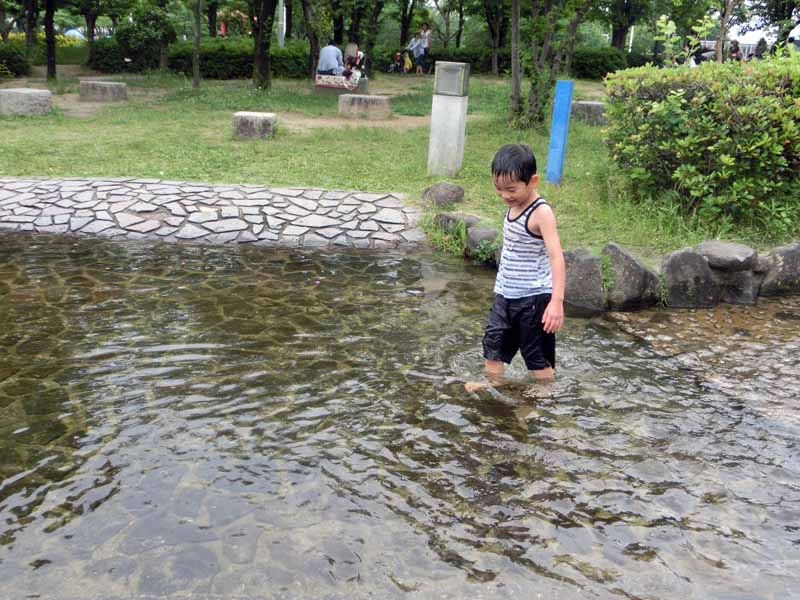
(517, 325)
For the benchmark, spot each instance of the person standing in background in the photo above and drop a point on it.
(426, 47)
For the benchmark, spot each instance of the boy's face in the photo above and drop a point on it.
(513, 191)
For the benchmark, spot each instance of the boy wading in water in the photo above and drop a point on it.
(528, 304)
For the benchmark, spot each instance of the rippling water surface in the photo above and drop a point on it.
(243, 423)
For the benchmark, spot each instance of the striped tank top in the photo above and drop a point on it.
(524, 264)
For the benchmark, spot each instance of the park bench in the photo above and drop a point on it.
(338, 84)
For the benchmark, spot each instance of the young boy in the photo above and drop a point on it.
(528, 307)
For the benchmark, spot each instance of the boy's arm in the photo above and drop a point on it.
(553, 317)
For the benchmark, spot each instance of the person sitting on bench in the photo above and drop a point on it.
(330, 60)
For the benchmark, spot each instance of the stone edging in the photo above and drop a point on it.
(178, 212)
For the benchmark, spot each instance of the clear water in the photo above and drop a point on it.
(234, 422)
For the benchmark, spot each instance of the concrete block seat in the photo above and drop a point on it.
(103, 91)
(25, 102)
(254, 125)
(364, 107)
(593, 113)
(337, 85)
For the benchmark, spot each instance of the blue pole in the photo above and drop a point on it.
(559, 130)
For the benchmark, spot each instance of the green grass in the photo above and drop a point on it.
(179, 134)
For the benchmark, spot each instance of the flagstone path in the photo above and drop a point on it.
(204, 213)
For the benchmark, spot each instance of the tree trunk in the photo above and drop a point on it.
(460, 26)
(91, 20)
(198, 24)
(516, 66)
(211, 12)
(493, 22)
(31, 17)
(406, 15)
(372, 35)
(725, 19)
(262, 66)
(163, 43)
(289, 19)
(337, 12)
(114, 21)
(354, 32)
(3, 28)
(313, 39)
(50, 37)
(618, 34)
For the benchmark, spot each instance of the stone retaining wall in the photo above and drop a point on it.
(203, 213)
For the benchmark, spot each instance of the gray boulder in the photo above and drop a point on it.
(783, 276)
(449, 220)
(584, 295)
(728, 256)
(630, 284)
(441, 194)
(593, 113)
(480, 235)
(738, 287)
(689, 281)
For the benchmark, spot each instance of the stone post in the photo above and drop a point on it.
(448, 118)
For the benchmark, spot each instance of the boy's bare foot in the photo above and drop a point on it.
(474, 386)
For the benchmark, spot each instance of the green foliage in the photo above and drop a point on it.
(486, 250)
(232, 58)
(452, 240)
(140, 39)
(5, 73)
(596, 63)
(13, 59)
(66, 47)
(107, 56)
(480, 59)
(723, 138)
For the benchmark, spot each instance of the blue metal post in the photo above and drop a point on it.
(559, 130)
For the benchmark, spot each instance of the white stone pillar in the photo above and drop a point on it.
(448, 118)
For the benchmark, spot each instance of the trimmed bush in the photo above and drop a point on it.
(596, 63)
(725, 137)
(13, 59)
(480, 59)
(232, 58)
(107, 56)
(66, 48)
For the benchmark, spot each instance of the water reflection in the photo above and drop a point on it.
(231, 421)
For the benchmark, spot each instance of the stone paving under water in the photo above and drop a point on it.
(204, 213)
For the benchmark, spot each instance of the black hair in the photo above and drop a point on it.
(331, 42)
(515, 161)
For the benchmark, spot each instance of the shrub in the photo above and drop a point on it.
(596, 63)
(725, 137)
(232, 58)
(13, 59)
(66, 47)
(480, 59)
(107, 56)
(139, 39)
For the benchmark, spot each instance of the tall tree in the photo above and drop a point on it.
(406, 15)
(289, 4)
(553, 21)
(496, 14)
(622, 15)
(311, 21)
(782, 14)
(50, 37)
(262, 65)
(338, 8)
(447, 9)
(516, 67)
(371, 33)
(31, 19)
(197, 11)
(724, 23)
(3, 27)
(212, 9)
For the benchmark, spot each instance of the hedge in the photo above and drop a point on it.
(107, 56)
(725, 137)
(13, 59)
(66, 47)
(596, 63)
(232, 58)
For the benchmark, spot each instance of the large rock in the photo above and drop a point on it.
(364, 107)
(478, 236)
(630, 285)
(593, 113)
(254, 125)
(25, 102)
(449, 220)
(728, 256)
(738, 287)
(441, 194)
(688, 280)
(103, 91)
(783, 276)
(584, 295)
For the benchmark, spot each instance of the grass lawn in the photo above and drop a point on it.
(170, 132)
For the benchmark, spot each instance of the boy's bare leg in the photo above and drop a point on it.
(495, 369)
(543, 375)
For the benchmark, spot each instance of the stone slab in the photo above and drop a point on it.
(103, 91)
(25, 102)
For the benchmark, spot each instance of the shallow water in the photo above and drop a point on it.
(234, 422)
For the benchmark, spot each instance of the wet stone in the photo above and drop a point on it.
(191, 232)
(225, 225)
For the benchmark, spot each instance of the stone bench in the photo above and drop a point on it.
(24, 101)
(103, 91)
(254, 125)
(593, 113)
(336, 85)
(364, 107)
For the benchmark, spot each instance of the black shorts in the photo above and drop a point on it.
(517, 325)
